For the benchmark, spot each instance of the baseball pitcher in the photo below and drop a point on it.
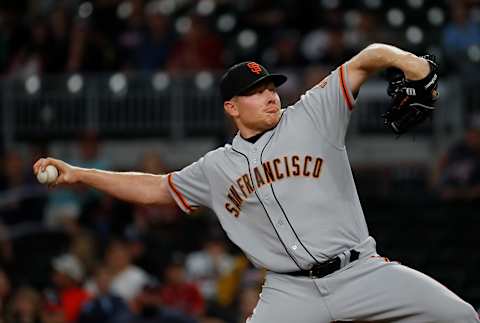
(284, 193)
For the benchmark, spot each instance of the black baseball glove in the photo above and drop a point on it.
(412, 101)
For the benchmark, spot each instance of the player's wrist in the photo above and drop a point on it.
(77, 175)
(417, 68)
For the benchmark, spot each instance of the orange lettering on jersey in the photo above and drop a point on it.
(267, 169)
(279, 175)
(254, 68)
(234, 197)
(233, 210)
(287, 167)
(258, 177)
(242, 188)
(296, 165)
(248, 184)
(317, 168)
(305, 165)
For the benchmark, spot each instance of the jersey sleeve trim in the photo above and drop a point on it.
(344, 88)
(179, 198)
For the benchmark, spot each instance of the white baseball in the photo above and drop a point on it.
(52, 173)
(42, 177)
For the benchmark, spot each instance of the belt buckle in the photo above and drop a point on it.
(312, 275)
(315, 271)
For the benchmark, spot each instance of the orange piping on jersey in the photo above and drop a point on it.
(344, 89)
(179, 195)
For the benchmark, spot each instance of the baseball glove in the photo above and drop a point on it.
(412, 101)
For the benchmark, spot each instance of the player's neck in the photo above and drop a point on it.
(253, 139)
(248, 133)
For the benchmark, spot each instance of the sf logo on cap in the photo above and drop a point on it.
(254, 67)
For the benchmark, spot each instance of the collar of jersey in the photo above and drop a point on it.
(255, 138)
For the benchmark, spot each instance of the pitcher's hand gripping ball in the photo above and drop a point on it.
(48, 176)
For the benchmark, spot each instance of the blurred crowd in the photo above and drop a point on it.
(47, 37)
(76, 255)
(80, 256)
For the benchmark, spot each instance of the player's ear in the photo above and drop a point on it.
(230, 108)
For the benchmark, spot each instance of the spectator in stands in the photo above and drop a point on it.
(76, 48)
(59, 23)
(198, 49)
(149, 309)
(69, 296)
(457, 175)
(461, 38)
(32, 57)
(25, 307)
(13, 35)
(22, 199)
(105, 307)
(84, 247)
(147, 216)
(89, 156)
(153, 235)
(152, 52)
(460, 33)
(132, 36)
(285, 49)
(67, 205)
(128, 280)
(179, 294)
(136, 246)
(364, 30)
(242, 275)
(206, 266)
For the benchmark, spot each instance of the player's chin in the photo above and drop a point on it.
(272, 119)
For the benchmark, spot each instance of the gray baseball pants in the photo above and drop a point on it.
(371, 289)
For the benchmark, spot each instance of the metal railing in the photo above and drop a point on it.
(176, 108)
(136, 108)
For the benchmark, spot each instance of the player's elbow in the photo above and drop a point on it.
(378, 56)
(146, 189)
(375, 56)
(157, 193)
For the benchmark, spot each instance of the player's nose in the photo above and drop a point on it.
(269, 94)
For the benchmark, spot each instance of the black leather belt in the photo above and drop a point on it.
(325, 268)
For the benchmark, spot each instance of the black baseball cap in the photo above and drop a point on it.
(241, 77)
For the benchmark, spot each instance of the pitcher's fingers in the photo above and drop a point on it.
(45, 163)
(37, 166)
(52, 161)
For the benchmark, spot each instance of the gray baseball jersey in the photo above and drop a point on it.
(289, 199)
